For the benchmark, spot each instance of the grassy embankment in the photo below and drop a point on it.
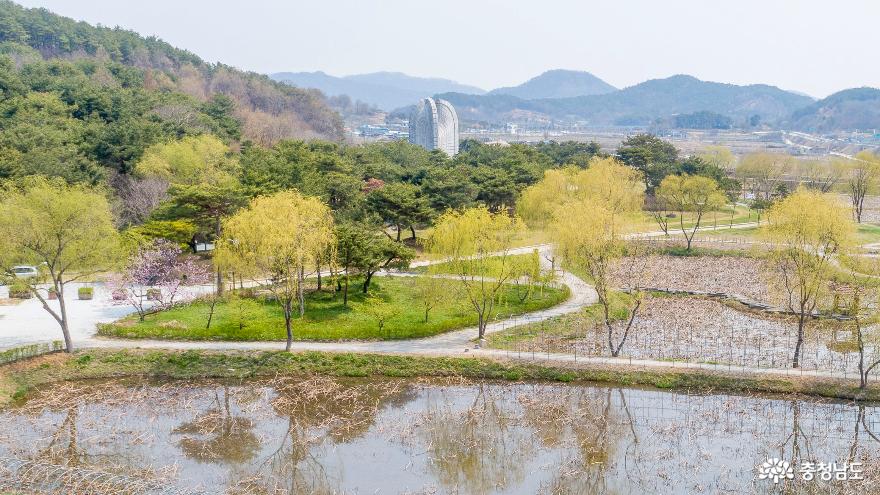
(18, 379)
(326, 318)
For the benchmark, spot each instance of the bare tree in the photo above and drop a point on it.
(864, 172)
(137, 197)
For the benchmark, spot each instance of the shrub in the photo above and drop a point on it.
(86, 293)
(19, 289)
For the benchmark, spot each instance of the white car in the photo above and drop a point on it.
(24, 271)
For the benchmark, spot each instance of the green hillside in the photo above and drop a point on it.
(50, 53)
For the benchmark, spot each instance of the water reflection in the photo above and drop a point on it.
(322, 435)
(219, 433)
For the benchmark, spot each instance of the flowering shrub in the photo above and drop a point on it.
(154, 276)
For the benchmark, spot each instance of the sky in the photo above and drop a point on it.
(813, 46)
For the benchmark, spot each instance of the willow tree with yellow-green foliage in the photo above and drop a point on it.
(66, 231)
(690, 196)
(589, 213)
(476, 245)
(807, 230)
(275, 238)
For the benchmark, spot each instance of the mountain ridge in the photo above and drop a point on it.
(386, 90)
(558, 83)
(854, 109)
(640, 104)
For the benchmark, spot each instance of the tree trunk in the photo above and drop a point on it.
(300, 276)
(481, 327)
(795, 363)
(345, 290)
(319, 277)
(863, 379)
(211, 313)
(426, 314)
(287, 316)
(219, 273)
(398, 232)
(68, 342)
(412, 229)
(367, 281)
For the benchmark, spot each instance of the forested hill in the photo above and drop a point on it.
(855, 109)
(115, 58)
(641, 104)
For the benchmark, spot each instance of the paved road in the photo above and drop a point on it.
(26, 322)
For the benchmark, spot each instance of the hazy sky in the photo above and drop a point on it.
(814, 46)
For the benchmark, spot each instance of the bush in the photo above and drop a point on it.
(86, 293)
(19, 289)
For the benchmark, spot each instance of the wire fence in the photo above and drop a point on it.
(30, 351)
(754, 345)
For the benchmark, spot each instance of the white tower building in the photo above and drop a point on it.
(434, 125)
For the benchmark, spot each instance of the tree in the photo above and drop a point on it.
(154, 276)
(206, 205)
(864, 309)
(820, 175)
(539, 202)
(658, 208)
(430, 291)
(400, 205)
(589, 232)
(276, 238)
(361, 249)
(718, 156)
(807, 230)
(380, 310)
(381, 253)
(862, 178)
(66, 230)
(476, 245)
(762, 172)
(204, 187)
(691, 194)
(649, 154)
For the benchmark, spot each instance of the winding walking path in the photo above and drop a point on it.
(460, 343)
(454, 342)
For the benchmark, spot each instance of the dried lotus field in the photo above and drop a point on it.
(324, 435)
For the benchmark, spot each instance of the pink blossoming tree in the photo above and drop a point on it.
(155, 276)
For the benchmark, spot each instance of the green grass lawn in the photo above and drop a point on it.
(493, 265)
(741, 214)
(326, 318)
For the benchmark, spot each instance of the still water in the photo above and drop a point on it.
(323, 435)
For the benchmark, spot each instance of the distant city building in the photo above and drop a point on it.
(434, 125)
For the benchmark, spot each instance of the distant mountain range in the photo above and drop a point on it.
(386, 90)
(641, 104)
(565, 95)
(558, 84)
